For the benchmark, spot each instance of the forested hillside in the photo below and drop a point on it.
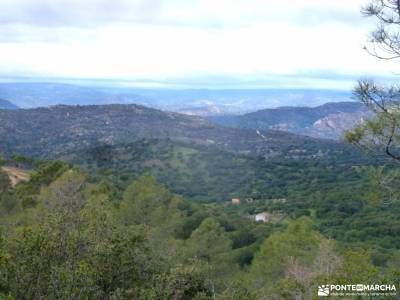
(71, 234)
(212, 175)
(52, 132)
(139, 206)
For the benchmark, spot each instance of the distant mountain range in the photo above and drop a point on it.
(326, 121)
(4, 104)
(258, 109)
(59, 130)
(31, 95)
(203, 102)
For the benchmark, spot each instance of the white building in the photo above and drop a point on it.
(263, 217)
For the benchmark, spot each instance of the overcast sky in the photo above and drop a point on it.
(189, 43)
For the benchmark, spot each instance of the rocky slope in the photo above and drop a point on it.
(326, 121)
(54, 131)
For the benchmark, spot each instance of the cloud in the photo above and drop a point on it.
(92, 13)
(172, 40)
(76, 13)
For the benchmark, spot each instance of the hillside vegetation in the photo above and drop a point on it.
(328, 121)
(139, 206)
(52, 132)
(70, 235)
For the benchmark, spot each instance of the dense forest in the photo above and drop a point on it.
(118, 223)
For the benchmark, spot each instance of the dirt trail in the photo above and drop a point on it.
(16, 175)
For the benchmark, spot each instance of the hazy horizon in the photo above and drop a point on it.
(188, 44)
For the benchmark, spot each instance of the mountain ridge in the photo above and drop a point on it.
(5, 104)
(51, 132)
(329, 120)
(203, 102)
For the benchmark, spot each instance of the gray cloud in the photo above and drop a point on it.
(92, 13)
(24, 21)
(74, 13)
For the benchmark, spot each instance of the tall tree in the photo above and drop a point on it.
(145, 202)
(76, 249)
(291, 263)
(384, 129)
(210, 245)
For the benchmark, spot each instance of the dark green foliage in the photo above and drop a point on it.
(242, 238)
(21, 161)
(44, 173)
(210, 175)
(190, 223)
(182, 282)
(78, 248)
(340, 195)
(85, 238)
(7, 201)
(298, 243)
